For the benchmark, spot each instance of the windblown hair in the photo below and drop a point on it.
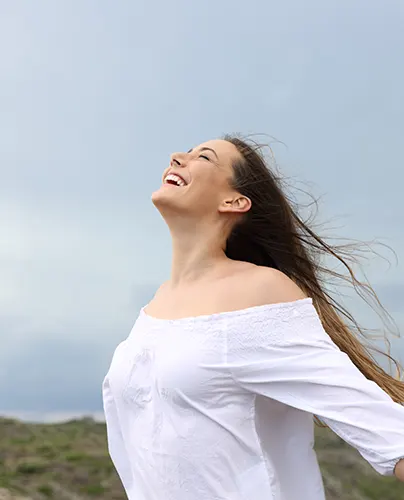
(273, 234)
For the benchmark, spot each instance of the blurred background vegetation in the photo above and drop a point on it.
(70, 461)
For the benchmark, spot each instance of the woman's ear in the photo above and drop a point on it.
(236, 204)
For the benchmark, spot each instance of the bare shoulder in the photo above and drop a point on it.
(269, 285)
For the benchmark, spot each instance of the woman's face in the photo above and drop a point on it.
(198, 182)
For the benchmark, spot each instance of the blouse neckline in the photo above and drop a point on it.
(226, 314)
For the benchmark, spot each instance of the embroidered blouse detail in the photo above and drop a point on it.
(221, 406)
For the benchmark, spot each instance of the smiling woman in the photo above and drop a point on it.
(214, 393)
(200, 169)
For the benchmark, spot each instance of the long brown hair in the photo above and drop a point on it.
(273, 234)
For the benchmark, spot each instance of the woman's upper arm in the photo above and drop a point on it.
(285, 354)
(116, 443)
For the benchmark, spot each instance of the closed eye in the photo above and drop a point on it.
(203, 156)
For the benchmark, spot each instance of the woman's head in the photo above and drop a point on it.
(226, 182)
(198, 185)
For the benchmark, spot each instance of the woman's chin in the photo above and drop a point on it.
(164, 194)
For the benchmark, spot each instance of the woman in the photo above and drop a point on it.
(212, 395)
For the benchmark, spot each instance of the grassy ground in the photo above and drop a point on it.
(70, 462)
(348, 476)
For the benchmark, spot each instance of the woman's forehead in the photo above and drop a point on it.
(224, 150)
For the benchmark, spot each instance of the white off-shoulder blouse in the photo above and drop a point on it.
(220, 406)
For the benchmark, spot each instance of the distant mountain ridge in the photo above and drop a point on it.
(52, 417)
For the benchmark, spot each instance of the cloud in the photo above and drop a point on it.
(93, 107)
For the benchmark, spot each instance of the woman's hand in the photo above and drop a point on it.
(399, 470)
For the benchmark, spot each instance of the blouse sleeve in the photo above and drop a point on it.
(285, 354)
(116, 445)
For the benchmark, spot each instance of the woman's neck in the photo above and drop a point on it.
(195, 256)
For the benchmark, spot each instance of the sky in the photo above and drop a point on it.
(96, 94)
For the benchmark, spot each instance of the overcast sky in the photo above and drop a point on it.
(95, 95)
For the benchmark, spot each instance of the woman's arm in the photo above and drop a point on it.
(116, 444)
(284, 353)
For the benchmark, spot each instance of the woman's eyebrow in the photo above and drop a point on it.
(206, 149)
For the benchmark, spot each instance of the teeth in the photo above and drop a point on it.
(176, 179)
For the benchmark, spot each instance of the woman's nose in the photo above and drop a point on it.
(177, 160)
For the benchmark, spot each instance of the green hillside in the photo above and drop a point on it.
(70, 461)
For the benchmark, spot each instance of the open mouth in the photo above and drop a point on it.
(174, 180)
